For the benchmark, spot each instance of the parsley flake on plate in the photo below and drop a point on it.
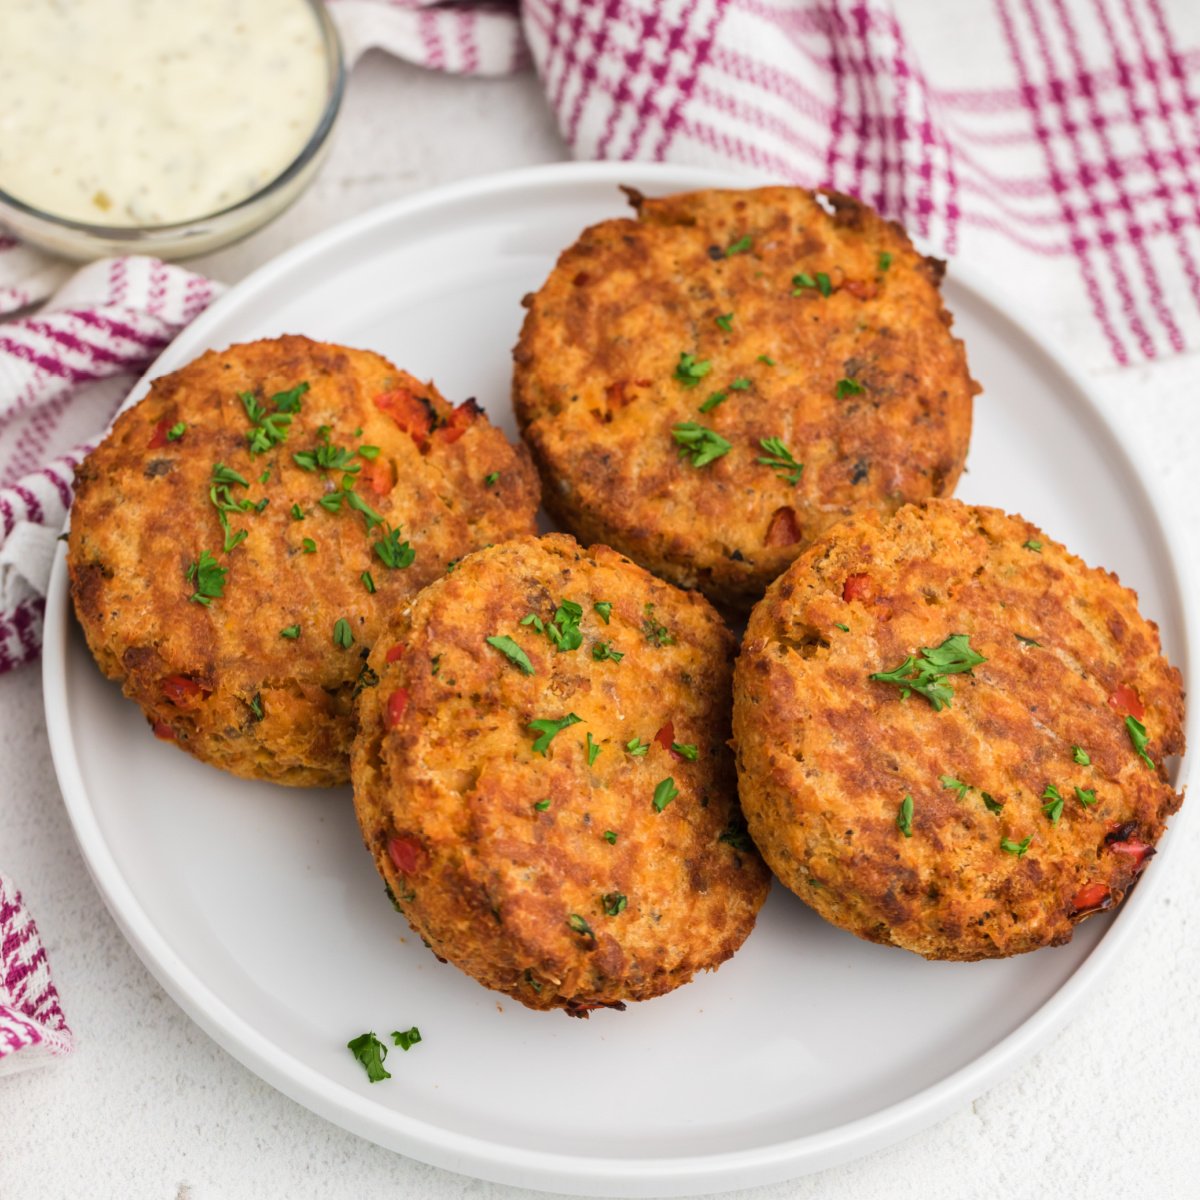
(549, 729)
(406, 1038)
(371, 1052)
(512, 652)
(701, 444)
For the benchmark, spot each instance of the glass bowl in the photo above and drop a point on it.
(85, 240)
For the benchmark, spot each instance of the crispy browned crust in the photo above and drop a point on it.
(826, 756)
(142, 515)
(492, 880)
(596, 397)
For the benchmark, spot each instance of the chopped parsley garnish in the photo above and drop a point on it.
(370, 453)
(843, 628)
(637, 748)
(1035, 546)
(290, 631)
(652, 631)
(741, 384)
(1081, 756)
(223, 478)
(614, 903)
(309, 546)
(848, 387)
(331, 502)
(534, 620)
(548, 729)
(406, 1038)
(563, 629)
(368, 582)
(371, 1052)
(725, 321)
(741, 246)
(542, 805)
(578, 924)
(991, 804)
(393, 552)
(1017, 848)
(256, 706)
(905, 815)
(779, 458)
(955, 785)
(689, 372)
(701, 444)
(818, 281)
(664, 794)
(176, 431)
(713, 400)
(603, 610)
(491, 478)
(208, 577)
(688, 750)
(610, 836)
(512, 652)
(270, 428)
(1139, 738)
(265, 476)
(924, 674)
(1054, 803)
(356, 502)
(326, 456)
(604, 652)
(342, 634)
(1027, 641)
(1086, 796)
(297, 513)
(885, 259)
(593, 750)
(767, 359)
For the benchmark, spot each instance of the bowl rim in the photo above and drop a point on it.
(336, 65)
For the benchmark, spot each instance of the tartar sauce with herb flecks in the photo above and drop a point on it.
(149, 112)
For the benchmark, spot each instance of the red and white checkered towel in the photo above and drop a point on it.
(1053, 144)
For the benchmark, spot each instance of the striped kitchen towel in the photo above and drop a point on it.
(32, 1026)
(1052, 144)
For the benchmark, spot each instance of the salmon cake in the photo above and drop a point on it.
(239, 537)
(712, 385)
(952, 735)
(543, 778)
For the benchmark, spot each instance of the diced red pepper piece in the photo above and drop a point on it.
(458, 422)
(665, 738)
(407, 854)
(1138, 851)
(164, 731)
(182, 690)
(396, 653)
(858, 587)
(413, 415)
(1125, 702)
(784, 529)
(158, 439)
(379, 477)
(396, 705)
(1091, 895)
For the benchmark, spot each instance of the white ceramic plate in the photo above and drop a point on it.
(259, 911)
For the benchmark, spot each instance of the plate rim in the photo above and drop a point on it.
(578, 1174)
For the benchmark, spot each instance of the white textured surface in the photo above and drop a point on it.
(149, 1107)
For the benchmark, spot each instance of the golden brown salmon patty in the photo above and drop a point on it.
(711, 386)
(543, 778)
(1019, 785)
(238, 538)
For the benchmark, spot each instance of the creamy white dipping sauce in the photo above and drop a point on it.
(151, 112)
